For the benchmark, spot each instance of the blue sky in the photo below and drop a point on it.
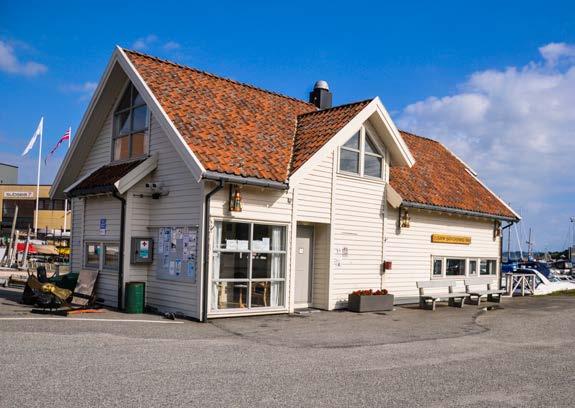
(444, 69)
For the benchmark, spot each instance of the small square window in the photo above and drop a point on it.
(372, 166)
(472, 267)
(93, 251)
(455, 267)
(437, 267)
(122, 148)
(111, 256)
(349, 161)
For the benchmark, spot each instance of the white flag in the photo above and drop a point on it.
(37, 133)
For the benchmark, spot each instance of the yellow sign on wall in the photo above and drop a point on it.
(450, 239)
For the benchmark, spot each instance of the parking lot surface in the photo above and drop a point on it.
(518, 355)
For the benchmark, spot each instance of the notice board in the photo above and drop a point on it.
(177, 252)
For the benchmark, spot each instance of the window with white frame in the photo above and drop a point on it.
(130, 137)
(360, 155)
(248, 266)
(102, 255)
(448, 267)
(488, 267)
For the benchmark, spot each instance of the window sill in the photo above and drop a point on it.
(353, 176)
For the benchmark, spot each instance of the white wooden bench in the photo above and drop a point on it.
(493, 295)
(427, 301)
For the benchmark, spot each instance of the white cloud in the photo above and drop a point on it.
(152, 41)
(85, 89)
(516, 127)
(553, 52)
(171, 46)
(144, 43)
(10, 63)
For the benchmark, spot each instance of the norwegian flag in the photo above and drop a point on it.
(62, 140)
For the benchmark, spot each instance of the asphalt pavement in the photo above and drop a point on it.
(517, 355)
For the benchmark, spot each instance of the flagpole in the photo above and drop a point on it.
(38, 181)
(66, 199)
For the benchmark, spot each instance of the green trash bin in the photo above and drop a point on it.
(135, 292)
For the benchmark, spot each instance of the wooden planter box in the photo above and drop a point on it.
(373, 303)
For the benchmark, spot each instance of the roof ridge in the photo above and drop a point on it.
(199, 71)
(345, 105)
(419, 136)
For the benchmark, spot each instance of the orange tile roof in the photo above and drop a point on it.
(315, 129)
(439, 178)
(239, 129)
(232, 127)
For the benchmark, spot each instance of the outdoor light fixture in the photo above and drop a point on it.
(235, 199)
(404, 220)
(496, 229)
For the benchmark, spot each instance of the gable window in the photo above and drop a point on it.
(360, 155)
(130, 138)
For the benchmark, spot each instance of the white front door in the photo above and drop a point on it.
(303, 265)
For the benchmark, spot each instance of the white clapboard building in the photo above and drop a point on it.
(227, 199)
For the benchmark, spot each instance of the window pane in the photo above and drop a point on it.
(122, 148)
(437, 267)
(349, 161)
(372, 166)
(455, 267)
(230, 295)
(235, 236)
(93, 254)
(136, 97)
(123, 123)
(267, 266)
(472, 267)
(267, 294)
(233, 265)
(353, 143)
(268, 238)
(139, 145)
(488, 267)
(370, 146)
(111, 256)
(139, 118)
(125, 102)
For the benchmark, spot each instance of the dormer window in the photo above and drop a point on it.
(360, 155)
(130, 139)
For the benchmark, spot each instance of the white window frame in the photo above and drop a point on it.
(101, 256)
(115, 136)
(467, 259)
(364, 132)
(249, 280)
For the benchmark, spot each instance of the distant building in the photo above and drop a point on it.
(50, 212)
(8, 174)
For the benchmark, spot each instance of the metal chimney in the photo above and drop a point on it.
(321, 96)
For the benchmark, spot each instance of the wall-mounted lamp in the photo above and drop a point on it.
(235, 199)
(404, 219)
(496, 229)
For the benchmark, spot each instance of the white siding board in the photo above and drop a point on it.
(76, 234)
(101, 151)
(314, 193)
(358, 224)
(182, 206)
(411, 249)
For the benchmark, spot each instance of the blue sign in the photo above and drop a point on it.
(103, 224)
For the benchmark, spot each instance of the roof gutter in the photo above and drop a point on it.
(252, 181)
(458, 211)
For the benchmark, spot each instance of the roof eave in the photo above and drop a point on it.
(252, 181)
(458, 211)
